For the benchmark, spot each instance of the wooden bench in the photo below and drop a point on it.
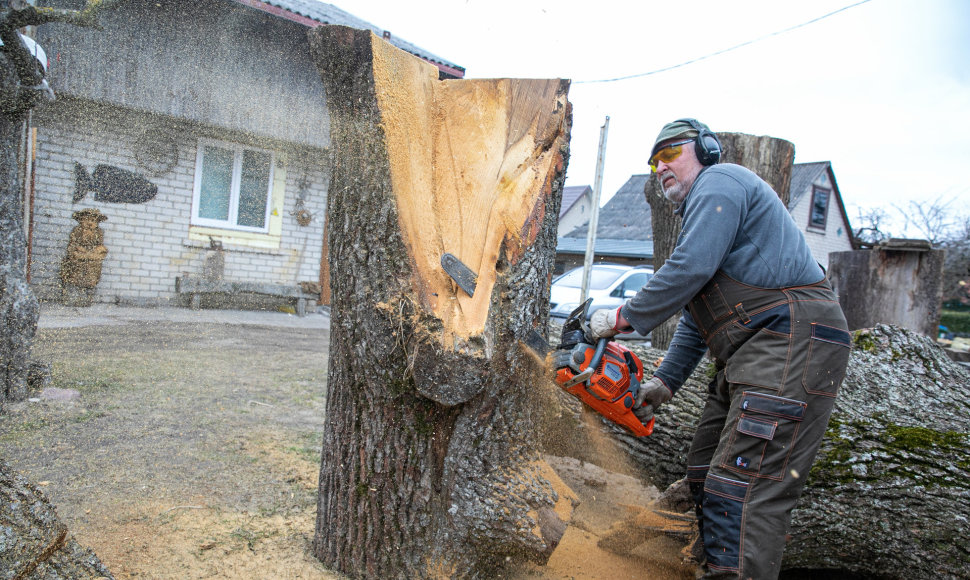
(195, 288)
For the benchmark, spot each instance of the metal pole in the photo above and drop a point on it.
(594, 216)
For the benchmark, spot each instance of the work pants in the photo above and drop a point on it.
(782, 354)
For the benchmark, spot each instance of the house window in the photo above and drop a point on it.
(820, 208)
(233, 185)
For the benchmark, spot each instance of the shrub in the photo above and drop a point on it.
(957, 322)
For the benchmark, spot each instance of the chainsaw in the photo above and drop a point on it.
(603, 374)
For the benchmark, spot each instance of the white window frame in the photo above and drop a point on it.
(231, 224)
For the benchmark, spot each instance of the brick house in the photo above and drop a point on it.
(199, 129)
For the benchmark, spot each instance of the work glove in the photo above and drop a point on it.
(605, 323)
(651, 395)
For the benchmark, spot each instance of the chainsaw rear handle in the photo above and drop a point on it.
(593, 363)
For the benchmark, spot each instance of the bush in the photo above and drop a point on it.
(957, 322)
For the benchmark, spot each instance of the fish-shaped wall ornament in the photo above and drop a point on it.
(113, 185)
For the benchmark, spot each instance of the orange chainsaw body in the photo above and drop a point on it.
(610, 388)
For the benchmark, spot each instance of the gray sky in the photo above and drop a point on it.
(881, 89)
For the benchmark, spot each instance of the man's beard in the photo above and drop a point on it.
(677, 192)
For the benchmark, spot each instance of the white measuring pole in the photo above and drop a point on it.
(594, 216)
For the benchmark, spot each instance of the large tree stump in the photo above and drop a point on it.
(889, 494)
(430, 464)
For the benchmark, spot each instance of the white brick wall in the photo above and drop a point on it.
(148, 243)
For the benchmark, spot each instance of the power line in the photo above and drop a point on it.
(722, 51)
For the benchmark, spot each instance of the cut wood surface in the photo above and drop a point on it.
(431, 465)
(468, 160)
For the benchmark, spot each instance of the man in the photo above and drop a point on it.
(753, 295)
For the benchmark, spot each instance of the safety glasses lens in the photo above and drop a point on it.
(667, 154)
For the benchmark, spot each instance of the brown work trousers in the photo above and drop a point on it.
(781, 356)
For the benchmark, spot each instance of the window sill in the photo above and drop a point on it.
(233, 240)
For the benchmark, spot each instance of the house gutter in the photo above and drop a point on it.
(311, 23)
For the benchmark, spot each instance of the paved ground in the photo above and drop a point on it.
(58, 316)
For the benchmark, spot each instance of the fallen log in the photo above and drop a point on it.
(431, 466)
(889, 494)
(34, 543)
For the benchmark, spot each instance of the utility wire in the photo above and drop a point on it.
(722, 51)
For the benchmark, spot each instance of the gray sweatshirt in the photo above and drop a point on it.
(732, 221)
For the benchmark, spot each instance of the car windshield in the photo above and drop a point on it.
(599, 279)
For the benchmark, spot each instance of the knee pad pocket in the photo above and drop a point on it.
(763, 435)
(723, 507)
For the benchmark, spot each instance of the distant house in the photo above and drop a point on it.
(625, 231)
(200, 130)
(575, 210)
(815, 204)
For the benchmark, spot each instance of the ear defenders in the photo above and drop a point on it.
(706, 145)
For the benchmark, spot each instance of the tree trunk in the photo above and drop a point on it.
(430, 463)
(889, 494)
(666, 228)
(769, 157)
(18, 306)
(35, 543)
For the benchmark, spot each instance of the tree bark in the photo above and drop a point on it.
(18, 306)
(889, 494)
(666, 228)
(430, 464)
(34, 543)
(771, 158)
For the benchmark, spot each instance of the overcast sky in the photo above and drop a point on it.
(880, 89)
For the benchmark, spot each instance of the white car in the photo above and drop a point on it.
(610, 285)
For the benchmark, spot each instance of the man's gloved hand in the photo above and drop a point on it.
(606, 322)
(651, 395)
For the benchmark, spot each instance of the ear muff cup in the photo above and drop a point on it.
(706, 145)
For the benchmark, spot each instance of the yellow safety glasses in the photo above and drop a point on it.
(668, 153)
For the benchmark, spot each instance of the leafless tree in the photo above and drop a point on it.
(935, 220)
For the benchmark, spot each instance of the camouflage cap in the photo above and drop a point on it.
(676, 130)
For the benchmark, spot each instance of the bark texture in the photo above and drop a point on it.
(431, 467)
(18, 306)
(34, 543)
(666, 228)
(889, 494)
(771, 158)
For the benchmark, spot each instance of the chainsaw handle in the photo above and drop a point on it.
(591, 367)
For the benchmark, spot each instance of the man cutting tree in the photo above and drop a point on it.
(753, 295)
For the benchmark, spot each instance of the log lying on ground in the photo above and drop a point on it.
(34, 543)
(430, 464)
(889, 494)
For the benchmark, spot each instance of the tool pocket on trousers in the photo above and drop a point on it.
(763, 435)
(761, 361)
(828, 355)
